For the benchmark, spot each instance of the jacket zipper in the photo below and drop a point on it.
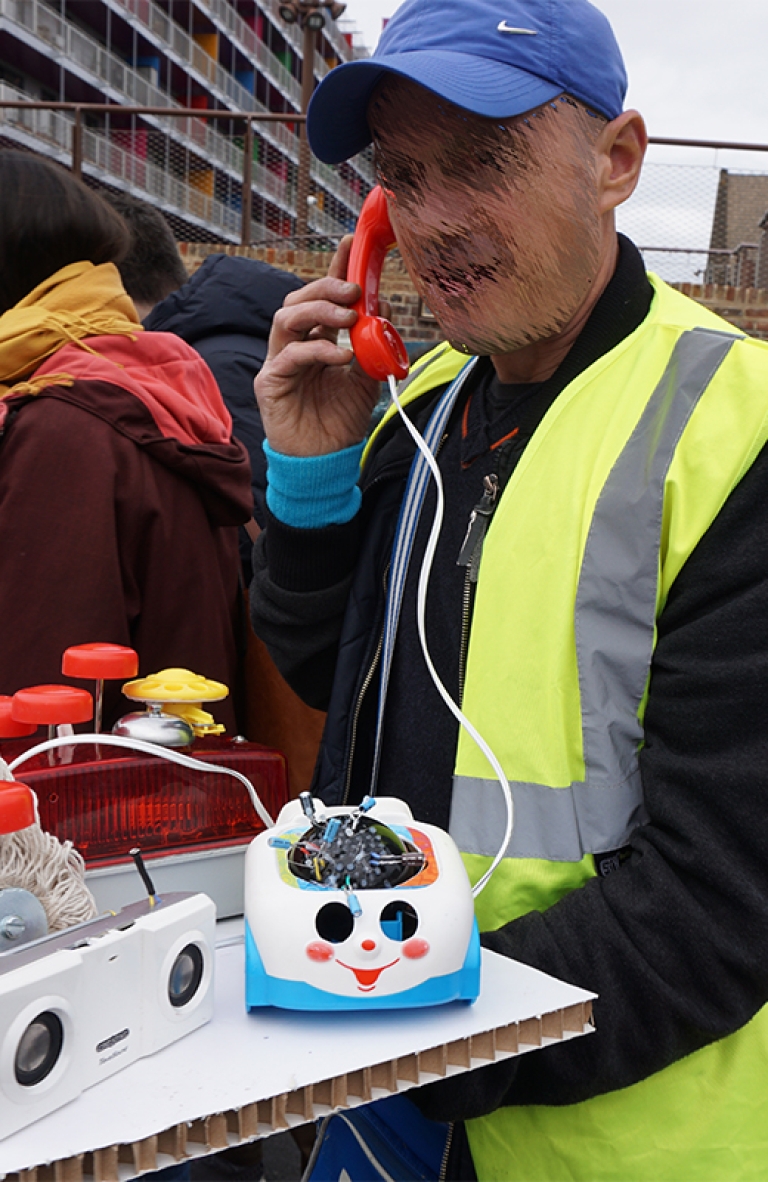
(469, 558)
(380, 479)
(466, 614)
(373, 666)
(446, 1153)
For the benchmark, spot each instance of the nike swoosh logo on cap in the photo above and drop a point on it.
(503, 27)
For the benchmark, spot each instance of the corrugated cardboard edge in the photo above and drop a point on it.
(220, 1130)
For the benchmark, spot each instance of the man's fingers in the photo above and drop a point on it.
(299, 356)
(339, 262)
(297, 321)
(331, 288)
(319, 333)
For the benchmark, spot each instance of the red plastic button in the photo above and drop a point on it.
(9, 727)
(100, 661)
(17, 806)
(52, 704)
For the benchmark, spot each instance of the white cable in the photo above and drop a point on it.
(148, 749)
(426, 569)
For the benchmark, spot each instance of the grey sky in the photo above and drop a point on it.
(696, 67)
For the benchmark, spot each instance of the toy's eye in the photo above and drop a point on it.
(399, 921)
(334, 922)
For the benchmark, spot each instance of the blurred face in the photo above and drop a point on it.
(497, 221)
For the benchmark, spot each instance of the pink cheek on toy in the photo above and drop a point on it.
(320, 951)
(415, 948)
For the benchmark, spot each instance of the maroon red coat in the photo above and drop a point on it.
(120, 495)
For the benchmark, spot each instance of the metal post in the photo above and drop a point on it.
(77, 144)
(98, 709)
(302, 180)
(247, 194)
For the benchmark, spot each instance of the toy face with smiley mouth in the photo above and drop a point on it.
(358, 913)
(368, 946)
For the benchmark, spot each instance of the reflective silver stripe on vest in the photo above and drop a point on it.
(614, 621)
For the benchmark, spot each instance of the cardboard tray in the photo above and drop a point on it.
(245, 1076)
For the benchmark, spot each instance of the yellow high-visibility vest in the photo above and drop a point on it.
(627, 470)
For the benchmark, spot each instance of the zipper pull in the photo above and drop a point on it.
(479, 520)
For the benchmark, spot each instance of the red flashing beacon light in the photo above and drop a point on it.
(107, 800)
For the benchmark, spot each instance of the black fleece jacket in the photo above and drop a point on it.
(674, 941)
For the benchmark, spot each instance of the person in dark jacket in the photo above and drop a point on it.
(224, 311)
(121, 487)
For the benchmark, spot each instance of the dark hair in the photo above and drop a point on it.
(153, 267)
(49, 219)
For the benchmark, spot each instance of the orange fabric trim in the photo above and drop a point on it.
(504, 438)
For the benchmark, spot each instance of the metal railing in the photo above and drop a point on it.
(697, 211)
(125, 81)
(171, 156)
(127, 85)
(697, 214)
(172, 38)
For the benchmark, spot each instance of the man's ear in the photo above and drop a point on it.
(620, 150)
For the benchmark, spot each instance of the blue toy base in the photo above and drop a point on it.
(263, 990)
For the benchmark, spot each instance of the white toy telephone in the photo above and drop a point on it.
(357, 908)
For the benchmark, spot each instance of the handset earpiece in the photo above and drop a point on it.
(376, 343)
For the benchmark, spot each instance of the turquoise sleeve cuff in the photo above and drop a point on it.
(309, 492)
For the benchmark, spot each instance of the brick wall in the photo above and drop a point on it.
(746, 308)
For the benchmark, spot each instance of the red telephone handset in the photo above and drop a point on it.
(377, 345)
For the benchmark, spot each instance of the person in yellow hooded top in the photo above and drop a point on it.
(604, 621)
(121, 487)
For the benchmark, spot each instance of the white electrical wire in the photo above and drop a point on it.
(149, 749)
(426, 569)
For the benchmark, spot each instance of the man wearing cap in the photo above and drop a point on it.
(605, 626)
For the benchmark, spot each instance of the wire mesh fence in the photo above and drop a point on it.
(224, 176)
(218, 175)
(698, 210)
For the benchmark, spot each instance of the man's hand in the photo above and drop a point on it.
(313, 396)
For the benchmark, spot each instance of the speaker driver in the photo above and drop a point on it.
(39, 1049)
(185, 976)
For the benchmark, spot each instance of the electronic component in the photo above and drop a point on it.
(357, 908)
(79, 1005)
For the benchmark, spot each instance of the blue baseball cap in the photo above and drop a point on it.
(497, 58)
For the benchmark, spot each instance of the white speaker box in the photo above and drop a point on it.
(80, 1005)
